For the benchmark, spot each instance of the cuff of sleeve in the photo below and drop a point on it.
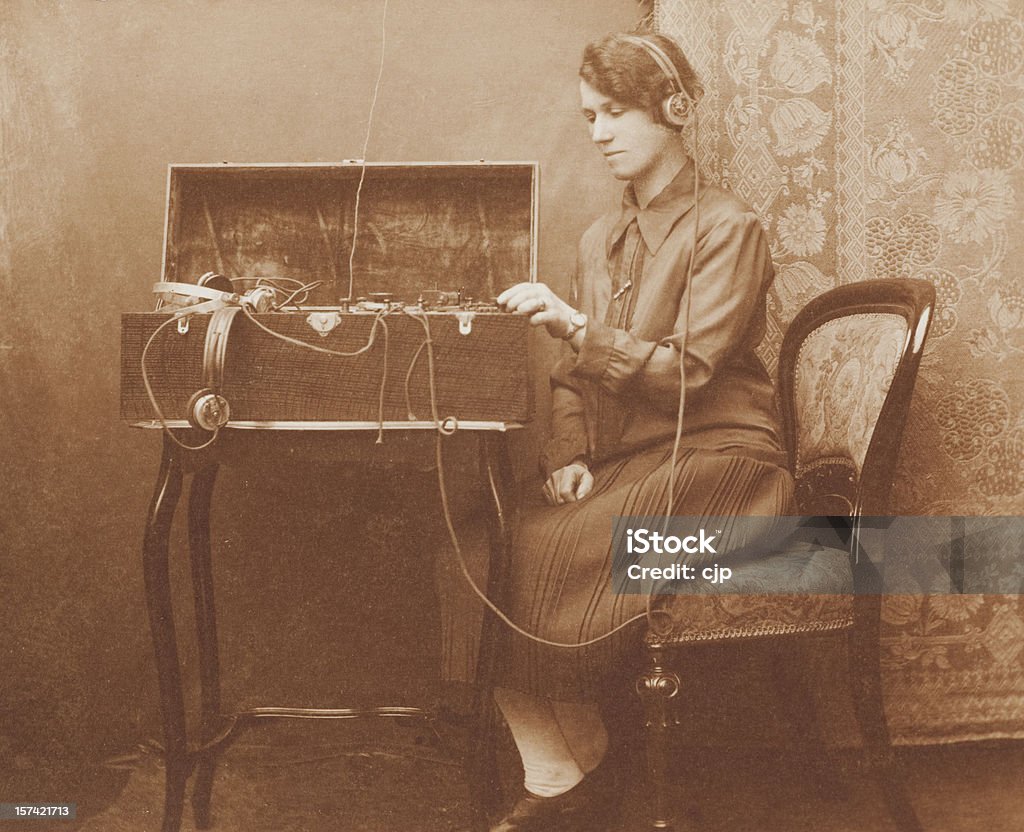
(595, 351)
(562, 373)
(560, 452)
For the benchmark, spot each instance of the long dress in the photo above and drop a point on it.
(615, 406)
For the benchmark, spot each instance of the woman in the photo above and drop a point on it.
(615, 402)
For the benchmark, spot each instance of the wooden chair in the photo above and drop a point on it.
(846, 374)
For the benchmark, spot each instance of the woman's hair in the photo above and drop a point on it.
(627, 73)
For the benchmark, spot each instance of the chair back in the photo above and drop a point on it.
(846, 374)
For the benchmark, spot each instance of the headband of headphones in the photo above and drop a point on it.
(675, 108)
(191, 298)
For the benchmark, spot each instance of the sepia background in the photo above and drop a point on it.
(875, 139)
(96, 99)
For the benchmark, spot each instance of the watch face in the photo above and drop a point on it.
(577, 319)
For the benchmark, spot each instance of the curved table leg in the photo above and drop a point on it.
(482, 768)
(200, 495)
(156, 575)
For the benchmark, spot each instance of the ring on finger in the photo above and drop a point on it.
(541, 305)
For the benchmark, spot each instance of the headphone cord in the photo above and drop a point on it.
(378, 320)
(303, 290)
(687, 295)
(152, 397)
(449, 524)
(649, 612)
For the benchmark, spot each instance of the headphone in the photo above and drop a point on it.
(676, 108)
(208, 294)
(213, 293)
(207, 409)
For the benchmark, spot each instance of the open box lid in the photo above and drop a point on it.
(469, 226)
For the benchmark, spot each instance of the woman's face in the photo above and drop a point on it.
(632, 143)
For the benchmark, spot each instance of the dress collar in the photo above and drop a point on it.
(661, 214)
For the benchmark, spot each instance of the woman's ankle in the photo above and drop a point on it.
(552, 779)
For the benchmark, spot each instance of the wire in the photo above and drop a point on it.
(383, 378)
(366, 144)
(446, 511)
(408, 377)
(268, 281)
(275, 283)
(378, 320)
(152, 397)
(289, 340)
(305, 289)
(688, 293)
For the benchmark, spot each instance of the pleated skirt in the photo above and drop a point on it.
(559, 585)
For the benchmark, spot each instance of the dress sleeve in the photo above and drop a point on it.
(731, 273)
(569, 438)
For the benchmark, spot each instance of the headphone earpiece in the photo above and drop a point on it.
(260, 299)
(676, 109)
(212, 280)
(207, 410)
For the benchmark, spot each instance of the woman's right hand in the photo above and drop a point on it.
(568, 484)
(541, 304)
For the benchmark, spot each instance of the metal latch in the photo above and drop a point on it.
(465, 321)
(323, 322)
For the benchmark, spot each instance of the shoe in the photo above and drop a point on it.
(584, 808)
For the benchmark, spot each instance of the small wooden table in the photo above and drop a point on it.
(237, 444)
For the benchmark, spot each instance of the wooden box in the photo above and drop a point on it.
(461, 228)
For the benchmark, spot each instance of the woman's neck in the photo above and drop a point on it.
(653, 181)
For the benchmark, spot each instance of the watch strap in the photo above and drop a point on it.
(577, 321)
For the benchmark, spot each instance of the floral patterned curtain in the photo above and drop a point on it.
(886, 139)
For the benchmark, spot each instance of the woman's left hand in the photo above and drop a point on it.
(568, 484)
(543, 306)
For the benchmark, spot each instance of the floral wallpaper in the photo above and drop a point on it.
(878, 138)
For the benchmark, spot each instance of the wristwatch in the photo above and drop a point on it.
(577, 320)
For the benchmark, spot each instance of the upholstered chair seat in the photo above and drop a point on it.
(806, 589)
